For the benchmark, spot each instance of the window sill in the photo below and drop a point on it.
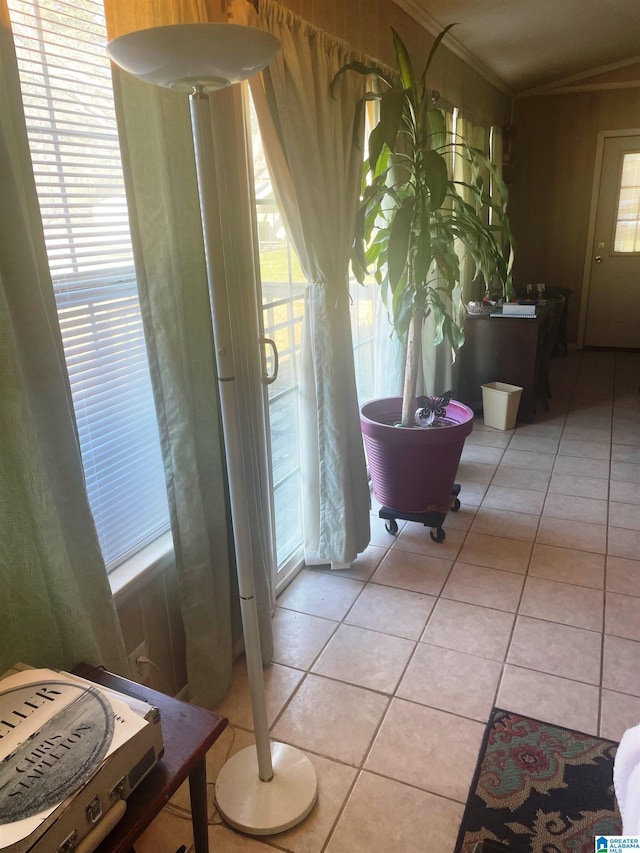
(137, 571)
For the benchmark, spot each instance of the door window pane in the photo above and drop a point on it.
(627, 230)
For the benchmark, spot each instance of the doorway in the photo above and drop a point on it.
(611, 302)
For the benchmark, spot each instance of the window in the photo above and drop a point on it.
(627, 231)
(65, 77)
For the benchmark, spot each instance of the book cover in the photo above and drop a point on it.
(516, 309)
(55, 732)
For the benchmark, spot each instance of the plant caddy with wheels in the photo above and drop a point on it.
(414, 222)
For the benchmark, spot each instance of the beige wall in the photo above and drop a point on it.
(552, 163)
(151, 611)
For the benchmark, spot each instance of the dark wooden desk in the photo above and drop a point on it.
(187, 733)
(505, 349)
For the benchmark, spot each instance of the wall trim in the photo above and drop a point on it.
(183, 693)
(414, 10)
(587, 87)
(549, 88)
(129, 577)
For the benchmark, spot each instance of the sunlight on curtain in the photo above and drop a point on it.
(308, 137)
(496, 152)
(123, 16)
(471, 289)
(438, 365)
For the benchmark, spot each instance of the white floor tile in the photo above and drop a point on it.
(385, 673)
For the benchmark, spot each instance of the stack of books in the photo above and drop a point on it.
(523, 308)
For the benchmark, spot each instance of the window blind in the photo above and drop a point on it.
(68, 102)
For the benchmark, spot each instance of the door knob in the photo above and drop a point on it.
(269, 380)
(598, 259)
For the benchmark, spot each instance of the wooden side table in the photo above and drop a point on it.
(187, 732)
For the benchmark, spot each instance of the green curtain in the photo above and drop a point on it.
(164, 214)
(56, 607)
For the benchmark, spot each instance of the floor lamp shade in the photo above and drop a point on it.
(188, 56)
(271, 787)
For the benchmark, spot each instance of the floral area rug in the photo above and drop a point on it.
(539, 788)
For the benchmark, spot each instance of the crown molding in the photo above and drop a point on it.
(415, 10)
(587, 87)
(561, 87)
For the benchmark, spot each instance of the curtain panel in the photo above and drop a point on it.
(308, 136)
(438, 362)
(478, 137)
(158, 158)
(440, 371)
(56, 607)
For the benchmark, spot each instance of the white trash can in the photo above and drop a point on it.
(500, 404)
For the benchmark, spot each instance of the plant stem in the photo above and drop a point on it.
(412, 366)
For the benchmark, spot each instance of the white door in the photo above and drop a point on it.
(613, 308)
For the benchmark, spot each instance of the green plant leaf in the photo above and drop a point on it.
(400, 234)
(435, 172)
(437, 128)
(376, 144)
(439, 317)
(402, 309)
(382, 166)
(359, 68)
(434, 48)
(415, 223)
(423, 256)
(392, 105)
(405, 66)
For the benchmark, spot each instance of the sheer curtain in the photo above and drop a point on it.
(440, 371)
(478, 137)
(308, 137)
(438, 365)
(157, 148)
(56, 607)
(497, 148)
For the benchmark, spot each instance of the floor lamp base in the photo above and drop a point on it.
(265, 808)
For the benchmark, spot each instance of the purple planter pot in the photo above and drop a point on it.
(413, 470)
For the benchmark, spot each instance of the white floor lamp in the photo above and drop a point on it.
(271, 787)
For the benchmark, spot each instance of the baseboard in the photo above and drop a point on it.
(183, 695)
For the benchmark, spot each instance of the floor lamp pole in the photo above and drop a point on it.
(271, 787)
(199, 107)
(250, 794)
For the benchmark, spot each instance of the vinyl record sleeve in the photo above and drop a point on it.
(55, 733)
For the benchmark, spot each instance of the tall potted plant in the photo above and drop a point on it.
(412, 218)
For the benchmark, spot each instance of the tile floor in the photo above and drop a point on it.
(385, 674)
